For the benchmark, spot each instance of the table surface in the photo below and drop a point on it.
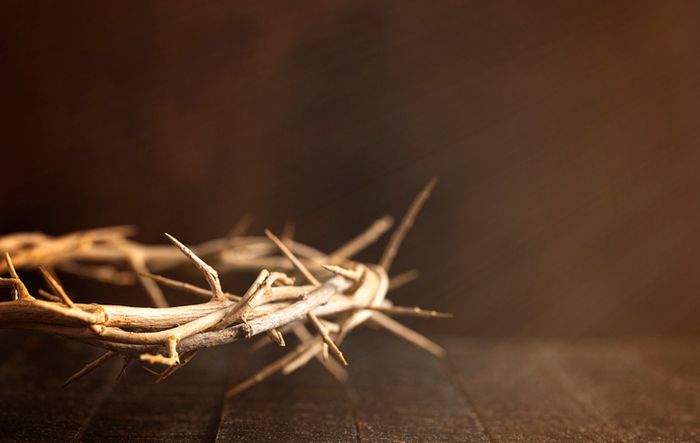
(487, 389)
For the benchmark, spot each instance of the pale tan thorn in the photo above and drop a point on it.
(336, 369)
(108, 233)
(209, 273)
(403, 279)
(278, 279)
(292, 258)
(184, 286)
(276, 336)
(366, 238)
(288, 231)
(399, 234)
(125, 364)
(264, 341)
(302, 359)
(56, 287)
(240, 228)
(104, 358)
(410, 311)
(332, 366)
(22, 291)
(351, 274)
(103, 273)
(259, 280)
(267, 371)
(152, 371)
(186, 358)
(52, 271)
(408, 334)
(245, 304)
(49, 296)
(326, 338)
(138, 263)
(330, 326)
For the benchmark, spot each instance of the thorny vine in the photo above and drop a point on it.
(338, 295)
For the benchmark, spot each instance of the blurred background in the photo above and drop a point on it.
(566, 136)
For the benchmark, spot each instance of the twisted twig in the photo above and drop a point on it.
(342, 295)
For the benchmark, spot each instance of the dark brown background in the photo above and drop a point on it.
(566, 137)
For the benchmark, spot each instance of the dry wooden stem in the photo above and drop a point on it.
(343, 296)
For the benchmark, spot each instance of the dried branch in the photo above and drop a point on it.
(342, 295)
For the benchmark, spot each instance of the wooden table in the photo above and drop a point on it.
(488, 389)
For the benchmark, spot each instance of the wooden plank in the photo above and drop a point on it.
(184, 407)
(404, 394)
(34, 406)
(498, 389)
(677, 360)
(306, 406)
(517, 395)
(611, 377)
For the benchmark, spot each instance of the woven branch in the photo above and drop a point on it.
(339, 295)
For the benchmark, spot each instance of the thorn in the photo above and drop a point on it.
(240, 228)
(403, 279)
(151, 371)
(366, 238)
(352, 275)
(22, 292)
(138, 263)
(172, 369)
(288, 231)
(267, 371)
(104, 358)
(400, 233)
(125, 364)
(56, 287)
(292, 258)
(326, 338)
(209, 273)
(408, 334)
(276, 336)
(414, 311)
(184, 286)
(49, 296)
(245, 304)
(103, 273)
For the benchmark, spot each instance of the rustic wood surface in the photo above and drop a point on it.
(486, 390)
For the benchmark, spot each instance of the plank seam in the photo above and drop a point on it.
(452, 372)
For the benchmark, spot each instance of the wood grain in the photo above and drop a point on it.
(550, 390)
(306, 406)
(183, 407)
(645, 404)
(35, 408)
(401, 393)
(513, 386)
